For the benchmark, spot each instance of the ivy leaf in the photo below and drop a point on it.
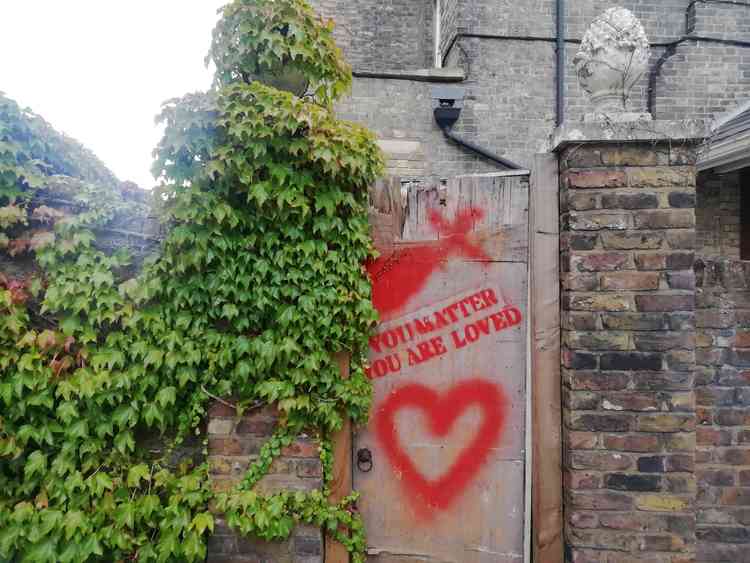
(8, 537)
(194, 547)
(43, 552)
(124, 416)
(102, 278)
(166, 396)
(149, 505)
(125, 442)
(153, 413)
(74, 521)
(138, 472)
(203, 521)
(35, 465)
(100, 482)
(125, 515)
(70, 325)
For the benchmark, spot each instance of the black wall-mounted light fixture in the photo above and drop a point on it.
(447, 103)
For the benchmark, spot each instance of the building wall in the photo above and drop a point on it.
(722, 389)
(718, 216)
(510, 108)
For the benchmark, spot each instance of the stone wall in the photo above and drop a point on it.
(628, 351)
(723, 409)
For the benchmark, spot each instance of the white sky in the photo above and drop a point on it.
(99, 70)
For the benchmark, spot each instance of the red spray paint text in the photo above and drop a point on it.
(443, 411)
(415, 342)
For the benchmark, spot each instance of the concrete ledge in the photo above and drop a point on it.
(419, 75)
(628, 131)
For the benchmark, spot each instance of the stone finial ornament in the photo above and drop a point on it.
(613, 56)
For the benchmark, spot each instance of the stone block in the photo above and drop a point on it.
(601, 422)
(661, 176)
(606, 500)
(600, 302)
(671, 219)
(582, 201)
(682, 199)
(602, 340)
(639, 443)
(631, 361)
(630, 281)
(665, 422)
(581, 241)
(630, 201)
(597, 221)
(632, 240)
(654, 303)
(662, 503)
(601, 262)
(633, 482)
(586, 179)
(635, 321)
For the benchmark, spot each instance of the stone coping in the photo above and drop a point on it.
(450, 74)
(628, 131)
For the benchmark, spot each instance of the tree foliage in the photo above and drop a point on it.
(259, 281)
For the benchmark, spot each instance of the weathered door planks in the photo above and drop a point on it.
(448, 427)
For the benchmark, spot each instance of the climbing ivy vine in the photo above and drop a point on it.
(258, 282)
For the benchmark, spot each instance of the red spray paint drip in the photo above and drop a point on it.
(396, 278)
(442, 412)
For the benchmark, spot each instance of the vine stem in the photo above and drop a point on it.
(228, 404)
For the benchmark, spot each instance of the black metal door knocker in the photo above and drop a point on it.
(364, 460)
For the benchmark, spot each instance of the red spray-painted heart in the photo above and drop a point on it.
(443, 410)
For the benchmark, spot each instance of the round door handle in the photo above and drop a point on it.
(364, 460)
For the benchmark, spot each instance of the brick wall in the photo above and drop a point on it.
(511, 83)
(233, 445)
(450, 21)
(718, 215)
(628, 352)
(723, 409)
(383, 34)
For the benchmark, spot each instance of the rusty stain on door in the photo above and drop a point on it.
(441, 463)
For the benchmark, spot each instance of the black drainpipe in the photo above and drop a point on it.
(669, 51)
(479, 150)
(560, 75)
(447, 103)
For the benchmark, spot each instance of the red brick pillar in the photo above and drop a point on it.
(627, 242)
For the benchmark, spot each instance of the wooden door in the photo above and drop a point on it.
(442, 463)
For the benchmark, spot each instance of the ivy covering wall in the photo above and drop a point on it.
(259, 281)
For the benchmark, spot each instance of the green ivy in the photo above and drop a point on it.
(258, 283)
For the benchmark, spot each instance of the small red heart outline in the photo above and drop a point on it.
(443, 410)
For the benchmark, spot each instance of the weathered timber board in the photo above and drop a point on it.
(447, 432)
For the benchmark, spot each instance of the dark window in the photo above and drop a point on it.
(745, 214)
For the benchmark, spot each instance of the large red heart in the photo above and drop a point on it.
(443, 410)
